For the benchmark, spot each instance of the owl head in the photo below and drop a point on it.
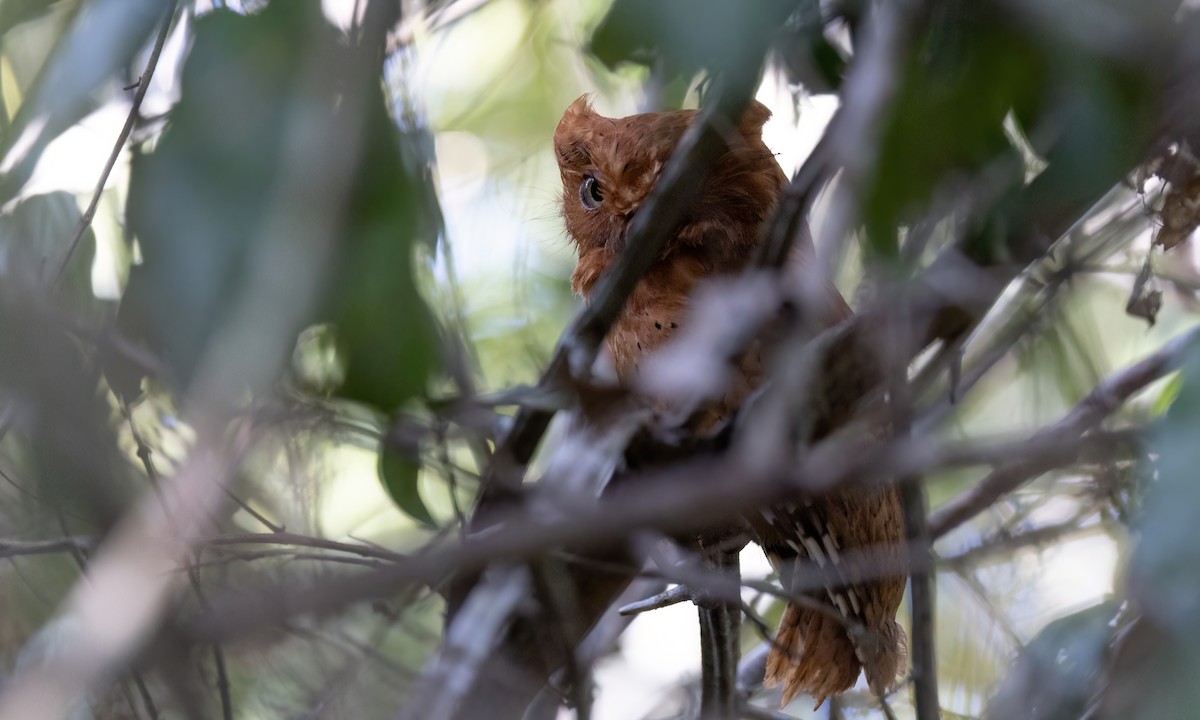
(609, 166)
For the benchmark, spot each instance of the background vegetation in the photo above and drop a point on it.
(283, 288)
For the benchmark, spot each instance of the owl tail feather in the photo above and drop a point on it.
(814, 654)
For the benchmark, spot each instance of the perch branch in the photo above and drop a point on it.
(720, 645)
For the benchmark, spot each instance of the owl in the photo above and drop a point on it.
(608, 167)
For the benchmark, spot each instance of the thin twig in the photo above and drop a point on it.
(15, 548)
(886, 707)
(1007, 542)
(922, 577)
(976, 588)
(147, 698)
(671, 596)
(924, 667)
(287, 538)
(555, 592)
(143, 84)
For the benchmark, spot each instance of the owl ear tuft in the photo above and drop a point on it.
(573, 129)
(581, 106)
(753, 119)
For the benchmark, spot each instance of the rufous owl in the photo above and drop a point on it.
(608, 167)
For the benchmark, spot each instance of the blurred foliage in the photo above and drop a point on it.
(1054, 675)
(87, 53)
(198, 202)
(679, 38)
(445, 275)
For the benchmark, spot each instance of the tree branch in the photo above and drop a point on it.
(16, 548)
(1059, 444)
(720, 645)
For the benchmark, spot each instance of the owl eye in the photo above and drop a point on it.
(589, 193)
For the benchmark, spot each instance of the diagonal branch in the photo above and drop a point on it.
(693, 493)
(448, 680)
(1059, 444)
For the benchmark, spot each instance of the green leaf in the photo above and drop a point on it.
(63, 423)
(196, 204)
(1167, 397)
(1053, 676)
(684, 35)
(199, 202)
(957, 83)
(385, 334)
(24, 53)
(15, 12)
(1165, 568)
(36, 236)
(401, 478)
(808, 58)
(103, 38)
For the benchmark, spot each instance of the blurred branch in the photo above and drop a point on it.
(287, 538)
(446, 681)
(558, 595)
(791, 219)
(973, 584)
(146, 456)
(1008, 542)
(1059, 444)
(685, 496)
(754, 712)
(752, 669)
(17, 548)
(238, 556)
(143, 85)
